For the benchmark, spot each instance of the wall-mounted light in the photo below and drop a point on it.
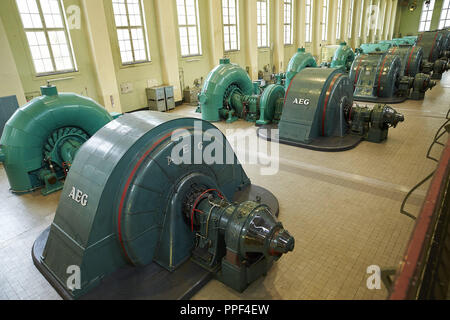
(413, 6)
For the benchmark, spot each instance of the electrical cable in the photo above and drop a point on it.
(438, 135)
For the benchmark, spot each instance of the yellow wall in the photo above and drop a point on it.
(140, 75)
(409, 22)
(101, 81)
(81, 82)
(9, 77)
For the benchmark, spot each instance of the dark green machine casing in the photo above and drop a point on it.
(123, 199)
(311, 108)
(411, 58)
(376, 78)
(432, 43)
(319, 114)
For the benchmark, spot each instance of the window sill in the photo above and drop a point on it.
(232, 51)
(135, 64)
(50, 74)
(192, 56)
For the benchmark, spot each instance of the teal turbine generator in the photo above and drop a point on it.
(314, 109)
(436, 45)
(228, 92)
(318, 114)
(385, 77)
(41, 139)
(137, 223)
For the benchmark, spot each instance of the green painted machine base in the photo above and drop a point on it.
(49, 189)
(325, 144)
(151, 282)
(232, 119)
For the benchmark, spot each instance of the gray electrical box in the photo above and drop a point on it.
(157, 105)
(169, 92)
(170, 103)
(156, 93)
(161, 98)
(190, 95)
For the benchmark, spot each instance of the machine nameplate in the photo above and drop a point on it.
(78, 196)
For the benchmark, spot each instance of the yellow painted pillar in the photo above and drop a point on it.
(278, 41)
(11, 85)
(374, 20)
(356, 24)
(381, 17)
(102, 54)
(395, 21)
(167, 31)
(317, 28)
(300, 10)
(251, 29)
(216, 41)
(365, 21)
(343, 36)
(332, 21)
(388, 19)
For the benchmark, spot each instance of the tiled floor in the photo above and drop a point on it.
(342, 209)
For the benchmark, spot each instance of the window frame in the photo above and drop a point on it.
(197, 25)
(445, 22)
(266, 24)
(290, 24)
(351, 7)
(429, 14)
(361, 17)
(238, 37)
(46, 31)
(129, 28)
(308, 24)
(324, 22)
(339, 18)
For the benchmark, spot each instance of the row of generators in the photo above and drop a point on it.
(136, 225)
(130, 224)
(312, 106)
(312, 109)
(378, 76)
(428, 53)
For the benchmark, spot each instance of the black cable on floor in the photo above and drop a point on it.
(438, 135)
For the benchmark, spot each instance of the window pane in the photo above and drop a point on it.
(308, 20)
(426, 16)
(230, 24)
(131, 32)
(52, 16)
(324, 20)
(29, 13)
(262, 23)
(444, 21)
(288, 22)
(339, 18)
(350, 17)
(49, 44)
(189, 27)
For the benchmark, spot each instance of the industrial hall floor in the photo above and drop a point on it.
(342, 208)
